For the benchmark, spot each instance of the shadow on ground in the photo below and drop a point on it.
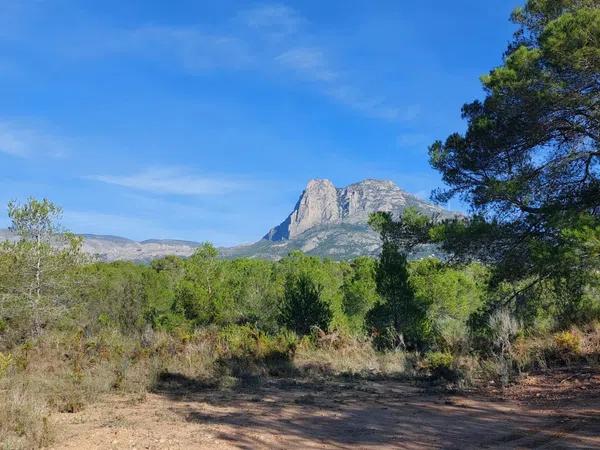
(297, 412)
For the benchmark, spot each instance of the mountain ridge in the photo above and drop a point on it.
(322, 203)
(326, 221)
(333, 222)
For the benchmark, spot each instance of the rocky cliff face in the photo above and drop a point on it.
(322, 204)
(318, 205)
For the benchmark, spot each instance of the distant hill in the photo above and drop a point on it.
(326, 221)
(111, 248)
(114, 248)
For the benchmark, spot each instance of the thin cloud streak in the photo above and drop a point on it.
(376, 107)
(171, 181)
(189, 47)
(312, 65)
(273, 18)
(24, 141)
(252, 47)
(309, 62)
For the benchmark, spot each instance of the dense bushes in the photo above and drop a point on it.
(359, 292)
(426, 304)
(451, 296)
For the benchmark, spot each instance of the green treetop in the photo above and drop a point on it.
(529, 162)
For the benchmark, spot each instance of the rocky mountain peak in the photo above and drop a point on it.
(358, 200)
(322, 204)
(317, 205)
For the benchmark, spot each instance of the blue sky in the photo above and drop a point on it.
(204, 120)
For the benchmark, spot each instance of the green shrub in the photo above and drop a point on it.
(398, 319)
(6, 360)
(303, 306)
(568, 343)
(441, 365)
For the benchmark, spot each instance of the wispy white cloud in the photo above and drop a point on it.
(250, 46)
(23, 140)
(190, 47)
(309, 62)
(171, 181)
(273, 18)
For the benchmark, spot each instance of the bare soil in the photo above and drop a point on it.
(555, 409)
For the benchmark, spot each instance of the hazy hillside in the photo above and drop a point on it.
(113, 248)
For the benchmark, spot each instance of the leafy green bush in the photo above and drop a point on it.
(441, 365)
(303, 306)
(397, 319)
(451, 294)
(360, 292)
(568, 342)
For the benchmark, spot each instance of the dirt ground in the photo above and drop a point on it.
(558, 409)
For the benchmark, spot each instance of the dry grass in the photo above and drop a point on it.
(24, 418)
(576, 345)
(590, 345)
(65, 372)
(353, 357)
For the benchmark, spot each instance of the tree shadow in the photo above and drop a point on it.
(301, 412)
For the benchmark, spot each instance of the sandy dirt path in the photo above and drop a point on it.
(557, 410)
